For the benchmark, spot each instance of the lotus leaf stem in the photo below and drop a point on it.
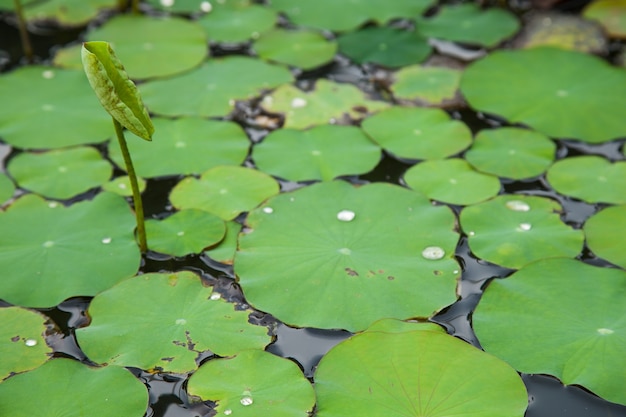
(26, 46)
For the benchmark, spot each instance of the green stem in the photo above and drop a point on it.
(26, 46)
(141, 228)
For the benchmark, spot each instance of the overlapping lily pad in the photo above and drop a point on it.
(306, 49)
(567, 318)
(514, 230)
(434, 86)
(163, 322)
(611, 14)
(604, 233)
(195, 6)
(7, 188)
(224, 252)
(344, 257)
(237, 24)
(67, 12)
(121, 185)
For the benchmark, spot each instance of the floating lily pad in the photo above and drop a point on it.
(65, 387)
(589, 178)
(225, 191)
(194, 6)
(514, 230)
(567, 318)
(560, 101)
(68, 12)
(7, 188)
(121, 185)
(252, 384)
(154, 47)
(212, 89)
(185, 146)
(321, 153)
(323, 256)
(184, 232)
(611, 14)
(51, 252)
(415, 370)
(304, 49)
(604, 233)
(65, 108)
(429, 85)
(22, 343)
(61, 173)
(234, 25)
(327, 103)
(451, 181)
(224, 252)
(511, 152)
(163, 322)
(417, 133)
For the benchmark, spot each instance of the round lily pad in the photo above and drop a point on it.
(511, 152)
(162, 322)
(417, 133)
(385, 46)
(321, 153)
(332, 255)
(51, 252)
(193, 6)
(254, 383)
(604, 233)
(225, 191)
(451, 181)
(304, 49)
(61, 173)
(212, 89)
(513, 230)
(611, 14)
(566, 318)
(154, 47)
(7, 188)
(234, 25)
(224, 252)
(185, 146)
(67, 12)
(589, 178)
(429, 85)
(550, 90)
(121, 185)
(415, 370)
(22, 343)
(65, 387)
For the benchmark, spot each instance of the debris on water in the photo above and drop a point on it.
(433, 252)
(30, 342)
(346, 215)
(268, 210)
(524, 227)
(517, 205)
(106, 240)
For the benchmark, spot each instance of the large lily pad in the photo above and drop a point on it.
(163, 322)
(410, 369)
(237, 24)
(50, 252)
(556, 99)
(304, 49)
(566, 318)
(334, 256)
(68, 12)
(433, 86)
(604, 233)
(611, 14)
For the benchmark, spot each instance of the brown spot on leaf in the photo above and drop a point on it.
(351, 272)
(437, 272)
(391, 278)
(168, 359)
(15, 339)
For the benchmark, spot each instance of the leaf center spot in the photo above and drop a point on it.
(48, 74)
(344, 251)
(316, 153)
(47, 107)
(517, 205)
(224, 191)
(48, 244)
(605, 332)
(181, 144)
(298, 102)
(181, 233)
(346, 215)
(106, 240)
(562, 93)
(433, 252)
(181, 321)
(62, 169)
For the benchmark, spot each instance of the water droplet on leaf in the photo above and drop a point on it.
(206, 7)
(245, 401)
(524, 227)
(433, 252)
(517, 205)
(215, 296)
(30, 342)
(268, 210)
(345, 215)
(48, 74)
(106, 240)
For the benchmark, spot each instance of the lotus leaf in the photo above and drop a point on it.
(417, 133)
(554, 99)
(233, 25)
(121, 186)
(433, 86)
(22, 343)
(69, 57)
(191, 6)
(65, 387)
(451, 181)
(254, 383)
(589, 178)
(415, 370)
(332, 255)
(321, 153)
(225, 191)
(604, 233)
(224, 252)
(67, 12)
(306, 49)
(7, 188)
(162, 322)
(514, 230)
(198, 93)
(611, 14)
(327, 103)
(511, 152)
(566, 318)
(61, 173)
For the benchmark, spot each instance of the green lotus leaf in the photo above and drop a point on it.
(234, 25)
(468, 23)
(415, 370)
(327, 103)
(147, 45)
(162, 322)
(225, 191)
(68, 12)
(332, 255)
(61, 173)
(224, 252)
(589, 178)
(64, 108)
(567, 318)
(9, 5)
(604, 233)
(433, 86)
(511, 152)
(50, 252)
(192, 6)
(65, 387)
(321, 153)
(557, 103)
(385, 46)
(611, 14)
(417, 133)
(306, 49)
(7, 188)
(254, 383)
(184, 232)
(212, 89)
(22, 343)
(514, 230)
(121, 186)
(451, 181)
(69, 57)
(185, 146)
